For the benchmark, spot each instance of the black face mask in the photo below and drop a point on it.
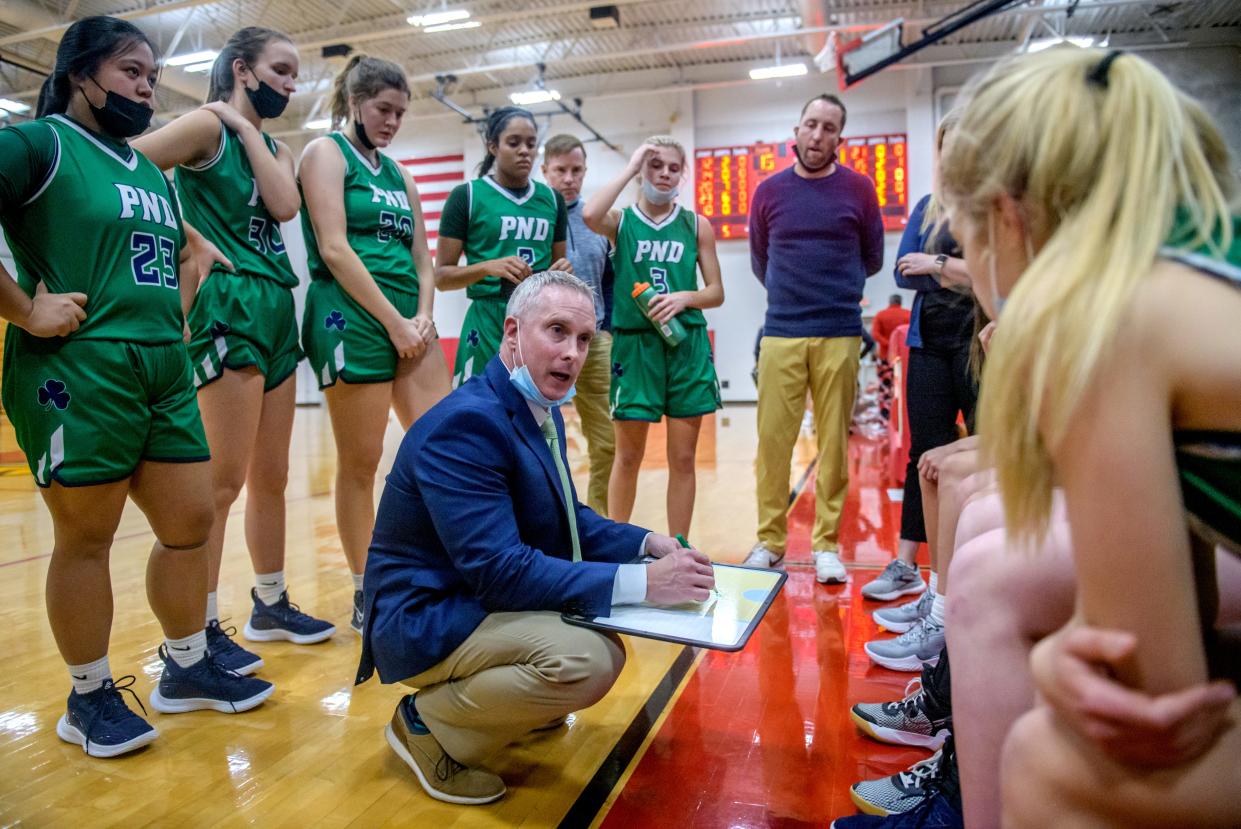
(267, 102)
(809, 169)
(120, 117)
(360, 132)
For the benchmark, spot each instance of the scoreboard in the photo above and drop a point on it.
(726, 178)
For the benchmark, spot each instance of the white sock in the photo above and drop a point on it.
(89, 677)
(934, 582)
(937, 609)
(357, 581)
(213, 608)
(188, 651)
(269, 586)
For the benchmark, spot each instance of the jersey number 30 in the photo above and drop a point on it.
(155, 260)
(393, 224)
(265, 236)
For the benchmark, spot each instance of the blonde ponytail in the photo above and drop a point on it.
(1100, 158)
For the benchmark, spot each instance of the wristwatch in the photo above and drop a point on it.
(940, 261)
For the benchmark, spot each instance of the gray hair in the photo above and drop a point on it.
(526, 295)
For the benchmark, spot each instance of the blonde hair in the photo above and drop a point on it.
(934, 216)
(1100, 154)
(667, 141)
(363, 78)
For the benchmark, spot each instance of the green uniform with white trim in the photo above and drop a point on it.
(650, 379)
(497, 223)
(342, 339)
(83, 212)
(244, 318)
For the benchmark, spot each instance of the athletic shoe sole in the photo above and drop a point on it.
(281, 635)
(176, 705)
(778, 564)
(70, 734)
(866, 807)
(894, 627)
(895, 594)
(909, 663)
(246, 670)
(402, 751)
(895, 737)
(833, 579)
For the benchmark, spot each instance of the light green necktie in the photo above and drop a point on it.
(553, 443)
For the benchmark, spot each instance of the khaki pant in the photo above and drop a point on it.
(516, 672)
(592, 407)
(786, 367)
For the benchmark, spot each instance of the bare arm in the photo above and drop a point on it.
(46, 315)
(191, 139)
(323, 179)
(598, 213)
(273, 174)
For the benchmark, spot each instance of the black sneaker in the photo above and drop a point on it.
(102, 724)
(284, 620)
(228, 653)
(356, 621)
(908, 722)
(206, 685)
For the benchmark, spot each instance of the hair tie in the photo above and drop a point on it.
(1098, 75)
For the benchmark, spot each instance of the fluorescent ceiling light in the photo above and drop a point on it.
(436, 18)
(16, 107)
(534, 96)
(318, 124)
(200, 56)
(1046, 43)
(787, 70)
(448, 27)
(205, 66)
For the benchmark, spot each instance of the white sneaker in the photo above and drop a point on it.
(828, 569)
(761, 556)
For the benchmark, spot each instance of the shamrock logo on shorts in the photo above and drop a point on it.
(335, 320)
(53, 393)
(219, 328)
(472, 338)
(618, 370)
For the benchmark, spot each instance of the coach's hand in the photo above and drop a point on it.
(684, 575)
(53, 315)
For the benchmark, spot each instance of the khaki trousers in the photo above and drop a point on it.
(591, 402)
(786, 367)
(515, 672)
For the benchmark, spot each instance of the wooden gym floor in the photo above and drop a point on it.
(760, 738)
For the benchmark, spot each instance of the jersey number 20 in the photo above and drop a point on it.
(391, 224)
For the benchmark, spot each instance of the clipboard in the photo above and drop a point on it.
(724, 622)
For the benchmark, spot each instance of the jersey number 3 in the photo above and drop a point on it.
(155, 260)
(659, 278)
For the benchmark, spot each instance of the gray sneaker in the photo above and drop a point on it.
(918, 646)
(899, 793)
(902, 618)
(897, 579)
(909, 722)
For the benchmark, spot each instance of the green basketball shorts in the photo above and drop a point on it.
(480, 338)
(650, 379)
(239, 321)
(343, 341)
(89, 411)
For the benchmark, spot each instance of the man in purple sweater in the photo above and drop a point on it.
(815, 236)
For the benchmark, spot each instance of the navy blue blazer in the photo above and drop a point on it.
(472, 522)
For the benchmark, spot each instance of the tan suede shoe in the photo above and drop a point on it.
(442, 777)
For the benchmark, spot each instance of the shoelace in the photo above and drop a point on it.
(921, 771)
(447, 768)
(215, 668)
(296, 611)
(227, 632)
(111, 700)
(908, 706)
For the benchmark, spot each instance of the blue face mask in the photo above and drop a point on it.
(524, 383)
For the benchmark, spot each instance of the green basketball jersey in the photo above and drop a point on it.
(502, 224)
(664, 254)
(379, 221)
(221, 200)
(104, 223)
